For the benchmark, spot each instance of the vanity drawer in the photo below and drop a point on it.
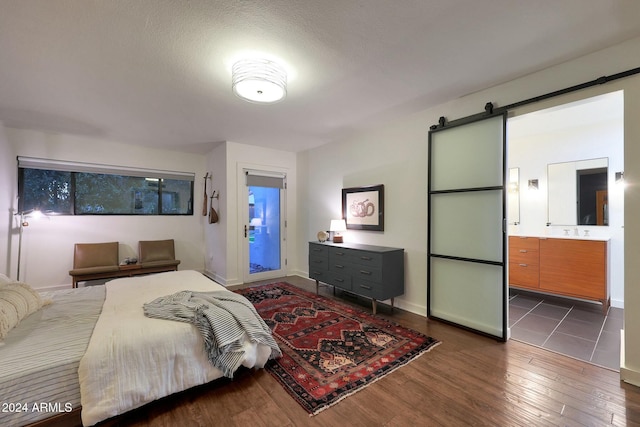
(525, 275)
(517, 243)
(524, 256)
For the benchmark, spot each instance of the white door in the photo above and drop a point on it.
(264, 225)
(466, 274)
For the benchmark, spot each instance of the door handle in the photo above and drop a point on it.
(245, 230)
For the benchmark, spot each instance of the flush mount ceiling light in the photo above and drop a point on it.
(259, 80)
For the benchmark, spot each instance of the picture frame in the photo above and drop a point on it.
(363, 207)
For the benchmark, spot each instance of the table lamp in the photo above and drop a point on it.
(337, 227)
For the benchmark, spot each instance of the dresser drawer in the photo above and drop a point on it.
(340, 256)
(340, 268)
(318, 262)
(342, 281)
(367, 273)
(367, 259)
(367, 288)
(376, 272)
(318, 267)
(318, 250)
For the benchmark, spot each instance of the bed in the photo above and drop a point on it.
(124, 361)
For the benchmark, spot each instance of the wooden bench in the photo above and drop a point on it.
(93, 261)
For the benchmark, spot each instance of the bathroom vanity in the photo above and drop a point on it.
(572, 267)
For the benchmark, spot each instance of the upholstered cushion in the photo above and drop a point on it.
(17, 301)
(156, 250)
(87, 255)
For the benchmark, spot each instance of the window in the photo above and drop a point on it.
(85, 189)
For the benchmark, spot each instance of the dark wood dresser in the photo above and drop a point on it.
(375, 272)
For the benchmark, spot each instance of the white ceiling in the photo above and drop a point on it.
(157, 72)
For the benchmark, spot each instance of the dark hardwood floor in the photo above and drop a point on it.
(466, 380)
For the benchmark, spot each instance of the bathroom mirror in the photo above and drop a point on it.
(577, 192)
(513, 196)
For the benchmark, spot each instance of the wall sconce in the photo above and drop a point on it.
(619, 177)
(337, 227)
(533, 184)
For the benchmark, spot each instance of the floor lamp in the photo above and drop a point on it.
(24, 216)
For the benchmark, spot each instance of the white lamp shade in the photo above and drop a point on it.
(338, 225)
(259, 80)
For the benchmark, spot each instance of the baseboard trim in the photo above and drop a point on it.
(627, 375)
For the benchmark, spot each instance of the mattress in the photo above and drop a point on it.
(39, 359)
(132, 359)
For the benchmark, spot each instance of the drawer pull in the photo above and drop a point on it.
(366, 287)
(317, 273)
(317, 250)
(317, 261)
(524, 251)
(522, 265)
(339, 266)
(368, 273)
(340, 253)
(366, 258)
(340, 280)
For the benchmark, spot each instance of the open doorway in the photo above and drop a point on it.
(581, 138)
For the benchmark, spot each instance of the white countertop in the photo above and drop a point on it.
(561, 236)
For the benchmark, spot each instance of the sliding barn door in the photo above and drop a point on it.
(467, 241)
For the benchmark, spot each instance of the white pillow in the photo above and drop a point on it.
(17, 301)
(4, 279)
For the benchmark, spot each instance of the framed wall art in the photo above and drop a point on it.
(363, 207)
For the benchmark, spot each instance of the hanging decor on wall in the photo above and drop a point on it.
(363, 207)
(204, 201)
(213, 215)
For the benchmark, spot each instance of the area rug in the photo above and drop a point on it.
(330, 350)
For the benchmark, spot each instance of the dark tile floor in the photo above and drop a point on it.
(575, 328)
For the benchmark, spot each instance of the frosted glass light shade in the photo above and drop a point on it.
(259, 80)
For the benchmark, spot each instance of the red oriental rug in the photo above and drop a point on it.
(330, 350)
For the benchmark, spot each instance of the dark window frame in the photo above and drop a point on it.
(73, 210)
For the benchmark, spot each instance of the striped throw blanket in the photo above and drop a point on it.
(222, 318)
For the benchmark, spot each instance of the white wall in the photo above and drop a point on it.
(8, 193)
(531, 153)
(227, 242)
(216, 234)
(47, 249)
(395, 155)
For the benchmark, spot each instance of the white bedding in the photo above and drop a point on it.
(132, 360)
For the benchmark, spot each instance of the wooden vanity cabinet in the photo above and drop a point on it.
(524, 262)
(567, 267)
(575, 268)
